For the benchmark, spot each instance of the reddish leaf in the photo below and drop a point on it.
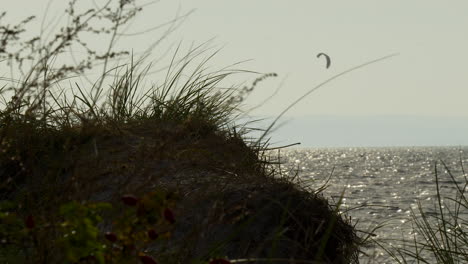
(129, 200)
(88, 259)
(152, 234)
(129, 248)
(169, 216)
(29, 222)
(220, 261)
(147, 260)
(141, 211)
(111, 236)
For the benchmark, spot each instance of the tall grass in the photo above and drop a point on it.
(63, 152)
(440, 236)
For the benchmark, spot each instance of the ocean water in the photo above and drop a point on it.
(381, 185)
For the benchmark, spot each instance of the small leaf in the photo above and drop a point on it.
(129, 200)
(29, 222)
(169, 216)
(152, 234)
(129, 248)
(147, 260)
(91, 259)
(220, 261)
(111, 236)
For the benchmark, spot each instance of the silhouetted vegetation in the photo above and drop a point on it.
(118, 176)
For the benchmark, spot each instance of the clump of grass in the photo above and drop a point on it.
(440, 235)
(61, 157)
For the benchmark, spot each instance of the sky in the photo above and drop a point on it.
(415, 98)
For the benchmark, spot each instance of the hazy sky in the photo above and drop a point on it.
(429, 78)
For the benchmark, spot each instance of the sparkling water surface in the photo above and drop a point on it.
(381, 185)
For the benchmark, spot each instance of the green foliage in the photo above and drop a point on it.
(14, 236)
(79, 237)
(79, 234)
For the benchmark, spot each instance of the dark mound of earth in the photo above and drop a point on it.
(230, 203)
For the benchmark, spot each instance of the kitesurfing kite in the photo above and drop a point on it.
(327, 58)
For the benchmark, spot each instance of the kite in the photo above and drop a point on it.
(327, 57)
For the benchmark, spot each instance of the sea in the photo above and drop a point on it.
(381, 186)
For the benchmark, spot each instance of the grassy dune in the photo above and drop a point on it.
(117, 174)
